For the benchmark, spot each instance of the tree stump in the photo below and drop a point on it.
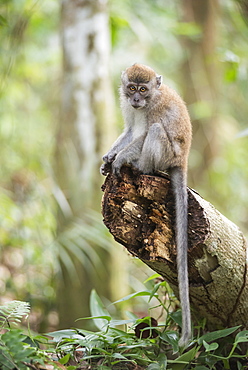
(139, 212)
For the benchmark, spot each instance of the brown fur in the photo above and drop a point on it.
(139, 73)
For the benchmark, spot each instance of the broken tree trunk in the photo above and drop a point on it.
(139, 212)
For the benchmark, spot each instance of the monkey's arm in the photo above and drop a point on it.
(129, 154)
(123, 140)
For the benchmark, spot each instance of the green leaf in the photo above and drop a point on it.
(118, 356)
(154, 290)
(133, 295)
(61, 334)
(177, 317)
(101, 322)
(142, 345)
(98, 311)
(108, 318)
(121, 322)
(172, 338)
(154, 366)
(154, 276)
(162, 360)
(241, 337)
(180, 362)
(239, 365)
(13, 312)
(209, 337)
(65, 359)
(210, 347)
(40, 339)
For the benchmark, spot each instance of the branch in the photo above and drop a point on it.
(139, 212)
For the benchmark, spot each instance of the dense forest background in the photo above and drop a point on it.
(60, 71)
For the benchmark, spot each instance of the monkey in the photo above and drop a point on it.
(157, 137)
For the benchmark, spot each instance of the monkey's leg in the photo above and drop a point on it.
(156, 154)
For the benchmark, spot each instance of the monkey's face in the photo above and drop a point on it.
(139, 85)
(137, 95)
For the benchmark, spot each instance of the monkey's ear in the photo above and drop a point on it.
(123, 76)
(159, 81)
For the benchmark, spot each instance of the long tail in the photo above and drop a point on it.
(179, 185)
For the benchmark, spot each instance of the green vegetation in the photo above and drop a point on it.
(119, 343)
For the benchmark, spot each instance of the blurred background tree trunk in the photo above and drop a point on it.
(201, 76)
(86, 109)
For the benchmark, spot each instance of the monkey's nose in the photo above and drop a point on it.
(136, 100)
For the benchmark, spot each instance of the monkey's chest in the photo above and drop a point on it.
(140, 124)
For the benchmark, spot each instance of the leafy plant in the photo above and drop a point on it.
(81, 242)
(15, 350)
(111, 345)
(119, 343)
(13, 312)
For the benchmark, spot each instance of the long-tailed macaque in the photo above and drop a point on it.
(157, 137)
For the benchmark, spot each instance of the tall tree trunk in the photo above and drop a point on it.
(85, 105)
(86, 100)
(200, 79)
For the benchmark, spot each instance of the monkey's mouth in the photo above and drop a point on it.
(137, 106)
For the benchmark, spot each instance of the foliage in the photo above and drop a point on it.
(26, 136)
(79, 241)
(116, 341)
(15, 350)
(30, 71)
(13, 312)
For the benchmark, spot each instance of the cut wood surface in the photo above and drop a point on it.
(139, 212)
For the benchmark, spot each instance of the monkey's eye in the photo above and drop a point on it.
(143, 89)
(132, 88)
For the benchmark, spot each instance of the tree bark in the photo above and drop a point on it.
(139, 212)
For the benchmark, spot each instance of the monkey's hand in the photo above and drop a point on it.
(119, 161)
(105, 169)
(109, 157)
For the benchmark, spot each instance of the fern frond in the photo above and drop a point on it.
(13, 312)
